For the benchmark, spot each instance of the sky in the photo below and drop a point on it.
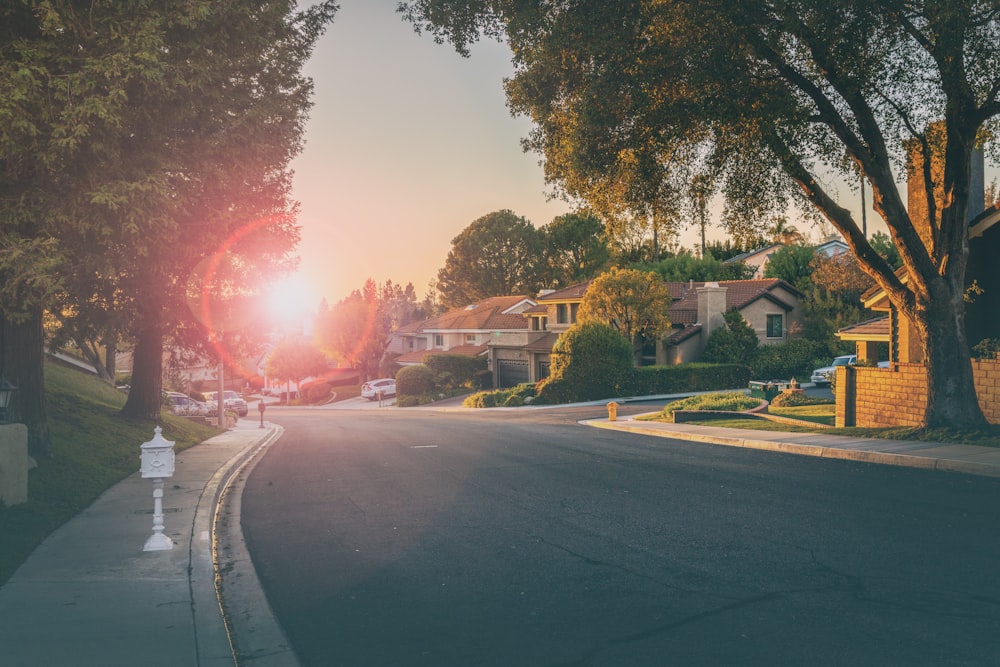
(407, 144)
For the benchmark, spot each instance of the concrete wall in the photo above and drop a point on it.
(879, 397)
(13, 464)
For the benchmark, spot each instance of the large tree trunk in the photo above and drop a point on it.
(951, 392)
(145, 395)
(23, 364)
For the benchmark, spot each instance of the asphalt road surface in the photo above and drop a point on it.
(520, 538)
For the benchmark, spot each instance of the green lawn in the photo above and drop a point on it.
(822, 413)
(94, 447)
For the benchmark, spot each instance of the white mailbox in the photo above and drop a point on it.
(156, 462)
(157, 458)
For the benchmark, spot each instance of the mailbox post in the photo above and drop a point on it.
(260, 408)
(157, 463)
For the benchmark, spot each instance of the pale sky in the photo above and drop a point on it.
(407, 144)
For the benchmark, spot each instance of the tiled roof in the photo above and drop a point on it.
(571, 293)
(739, 294)
(747, 255)
(875, 328)
(486, 315)
(542, 343)
(419, 356)
(682, 334)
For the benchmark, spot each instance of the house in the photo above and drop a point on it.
(756, 258)
(463, 331)
(770, 306)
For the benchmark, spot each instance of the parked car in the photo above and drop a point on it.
(821, 376)
(230, 399)
(384, 386)
(184, 405)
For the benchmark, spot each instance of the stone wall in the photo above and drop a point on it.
(879, 397)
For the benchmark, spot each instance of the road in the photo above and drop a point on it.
(411, 537)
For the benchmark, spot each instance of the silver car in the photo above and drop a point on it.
(821, 376)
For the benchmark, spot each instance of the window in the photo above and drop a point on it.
(470, 339)
(539, 323)
(562, 314)
(774, 326)
(572, 312)
(438, 340)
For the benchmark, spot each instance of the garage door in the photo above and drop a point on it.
(511, 372)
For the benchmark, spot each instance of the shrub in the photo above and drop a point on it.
(987, 348)
(736, 401)
(591, 360)
(316, 391)
(452, 370)
(407, 401)
(512, 397)
(687, 377)
(736, 343)
(795, 358)
(789, 399)
(414, 381)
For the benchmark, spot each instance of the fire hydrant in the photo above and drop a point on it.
(612, 411)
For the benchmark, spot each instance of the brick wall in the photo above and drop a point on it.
(877, 397)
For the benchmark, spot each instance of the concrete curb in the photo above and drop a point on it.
(870, 454)
(254, 633)
(211, 627)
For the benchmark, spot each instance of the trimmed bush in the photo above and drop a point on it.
(407, 401)
(512, 397)
(316, 392)
(797, 358)
(592, 361)
(683, 378)
(790, 399)
(735, 401)
(452, 370)
(414, 381)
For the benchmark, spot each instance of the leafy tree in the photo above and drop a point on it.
(575, 249)
(633, 303)
(625, 99)
(840, 276)
(590, 360)
(293, 359)
(356, 330)
(793, 264)
(736, 343)
(723, 250)
(127, 131)
(685, 266)
(497, 255)
(883, 245)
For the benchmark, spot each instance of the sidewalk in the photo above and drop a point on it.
(89, 595)
(968, 459)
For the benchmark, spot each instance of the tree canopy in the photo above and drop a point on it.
(136, 142)
(498, 254)
(633, 303)
(635, 100)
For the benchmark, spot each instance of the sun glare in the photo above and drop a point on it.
(290, 299)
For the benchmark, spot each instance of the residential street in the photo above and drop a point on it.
(411, 537)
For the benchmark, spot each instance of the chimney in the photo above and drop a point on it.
(711, 306)
(916, 195)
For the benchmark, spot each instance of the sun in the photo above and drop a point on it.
(289, 300)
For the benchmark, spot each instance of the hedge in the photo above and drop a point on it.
(683, 378)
